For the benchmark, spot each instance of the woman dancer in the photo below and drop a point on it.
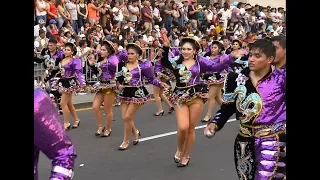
(132, 91)
(72, 80)
(215, 80)
(105, 87)
(189, 94)
(163, 74)
(51, 139)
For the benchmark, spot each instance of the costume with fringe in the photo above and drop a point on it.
(188, 85)
(106, 83)
(211, 78)
(134, 90)
(71, 79)
(51, 66)
(261, 109)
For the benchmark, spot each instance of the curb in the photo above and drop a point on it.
(88, 105)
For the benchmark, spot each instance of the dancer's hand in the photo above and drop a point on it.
(211, 128)
(238, 53)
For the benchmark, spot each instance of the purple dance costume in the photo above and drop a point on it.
(122, 55)
(51, 139)
(259, 147)
(72, 78)
(134, 90)
(188, 85)
(214, 77)
(106, 76)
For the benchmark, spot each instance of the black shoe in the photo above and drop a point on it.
(171, 109)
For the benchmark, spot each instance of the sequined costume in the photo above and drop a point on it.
(51, 65)
(188, 86)
(50, 138)
(106, 76)
(134, 90)
(122, 55)
(71, 77)
(214, 77)
(259, 146)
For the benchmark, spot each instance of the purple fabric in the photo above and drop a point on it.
(273, 92)
(74, 67)
(174, 52)
(109, 68)
(158, 67)
(219, 58)
(50, 138)
(267, 153)
(122, 55)
(212, 66)
(58, 55)
(148, 72)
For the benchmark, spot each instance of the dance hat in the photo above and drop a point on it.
(191, 40)
(73, 47)
(110, 45)
(134, 46)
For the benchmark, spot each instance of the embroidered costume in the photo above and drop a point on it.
(106, 73)
(214, 77)
(51, 139)
(51, 66)
(71, 76)
(188, 87)
(258, 148)
(134, 90)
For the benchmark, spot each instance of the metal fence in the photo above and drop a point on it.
(90, 77)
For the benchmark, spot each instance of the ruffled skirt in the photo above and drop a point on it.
(186, 95)
(214, 78)
(136, 95)
(105, 87)
(67, 85)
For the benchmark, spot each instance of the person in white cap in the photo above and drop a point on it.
(40, 25)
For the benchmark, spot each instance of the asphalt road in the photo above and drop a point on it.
(152, 158)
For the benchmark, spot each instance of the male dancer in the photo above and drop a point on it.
(280, 43)
(51, 139)
(51, 58)
(257, 96)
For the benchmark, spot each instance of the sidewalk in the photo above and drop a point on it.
(85, 101)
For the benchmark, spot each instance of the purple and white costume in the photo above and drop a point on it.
(134, 90)
(51, 139)
(72, 78)
(188, 85)
(106, 76)
(261, 109)
(214, 77)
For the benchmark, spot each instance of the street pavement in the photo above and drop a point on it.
(152, 159)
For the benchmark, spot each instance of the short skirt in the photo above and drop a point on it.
(136, 95)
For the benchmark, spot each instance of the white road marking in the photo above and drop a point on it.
(174, 132)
